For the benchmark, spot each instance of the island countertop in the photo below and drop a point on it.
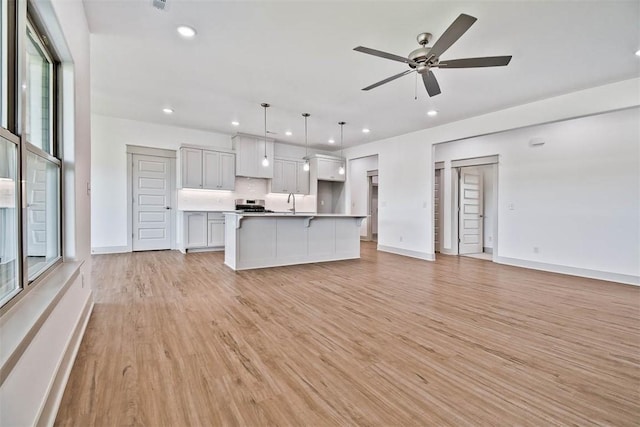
(293, 215)
(259, 240)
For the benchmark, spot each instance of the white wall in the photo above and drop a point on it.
(110, 136)
(358, 183)
(33, 389)
(575, 198)
(406, 167)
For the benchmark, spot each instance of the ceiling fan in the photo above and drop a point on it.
(424, 59)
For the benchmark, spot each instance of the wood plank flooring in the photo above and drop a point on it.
(383, 341)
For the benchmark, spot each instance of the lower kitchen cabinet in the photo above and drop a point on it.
(203, 230)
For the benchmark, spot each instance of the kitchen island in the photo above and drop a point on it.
(258, 240)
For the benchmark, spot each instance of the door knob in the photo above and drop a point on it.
(167, 207)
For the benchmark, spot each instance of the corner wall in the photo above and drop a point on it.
(406, 164)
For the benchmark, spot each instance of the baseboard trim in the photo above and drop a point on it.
(110, 250)
(626, 279)
(407, 252)
(55, 393)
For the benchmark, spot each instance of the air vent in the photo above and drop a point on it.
(160, 4)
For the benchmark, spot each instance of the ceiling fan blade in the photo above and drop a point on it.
(387, 80)
(487, 61)
(452, 34)
(431, 84)
(385, 55)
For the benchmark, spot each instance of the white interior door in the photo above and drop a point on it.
(151, 203)
(437, 183)
(374, 211)
(471, 211)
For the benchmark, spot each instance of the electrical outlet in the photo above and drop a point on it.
(321, 202)
(511, 206)
(536, 250)
(401, 238)
(424, 204)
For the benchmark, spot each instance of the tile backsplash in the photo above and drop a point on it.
(246, 188)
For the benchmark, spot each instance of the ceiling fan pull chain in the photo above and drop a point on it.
(415, 98)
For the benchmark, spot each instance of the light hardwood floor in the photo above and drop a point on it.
(386, 340)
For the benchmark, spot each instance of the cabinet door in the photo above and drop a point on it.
(195, 233)
(328, 170)
(289, 176)
(227, 171)
(246, 154)
(215, 233)
(211, 170)
(277, 183)
(302, 182)
(191, 168)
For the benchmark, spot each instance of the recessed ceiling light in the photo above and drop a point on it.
(432, 113)
(235, 123)
(332, 141)
(167, 110)
(186, 32)
(638, 52)
(288, 133)
(365, 130)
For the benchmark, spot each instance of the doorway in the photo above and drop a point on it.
(151, 202)
(476, 211)
(437, 207)
(372, 228)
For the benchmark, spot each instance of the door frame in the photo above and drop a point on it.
(370, 175)
(452, 187)
(156, 152)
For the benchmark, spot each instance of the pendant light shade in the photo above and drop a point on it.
(342, 169)
(265, 160)
(305, 167)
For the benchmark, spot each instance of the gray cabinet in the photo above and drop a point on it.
(203, 230)
(328, 170)
(289, 176)
(250, 151)
(207, 169)
(195, 230)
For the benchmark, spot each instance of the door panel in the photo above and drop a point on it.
(151, 203)
(191, 168)
(470, 213)
(227, 171)
(211, 170)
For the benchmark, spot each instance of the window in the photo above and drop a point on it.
(43, 214)
(4, 63)
(30, 238)
(9, 267)
(39, 93)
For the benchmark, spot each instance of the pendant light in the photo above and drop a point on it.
(341, 170)
(306, 144)
(265, 161)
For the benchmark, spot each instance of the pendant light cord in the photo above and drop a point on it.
(306, 141)
(265, 131)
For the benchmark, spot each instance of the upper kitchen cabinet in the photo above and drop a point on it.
(328, 168)
(207, 169)
(250, 151)
(289, 176)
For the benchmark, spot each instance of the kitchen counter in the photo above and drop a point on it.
(259, 240)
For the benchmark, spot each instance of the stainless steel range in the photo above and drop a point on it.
(251, 205)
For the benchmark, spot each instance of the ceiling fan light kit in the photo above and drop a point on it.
(424, 59)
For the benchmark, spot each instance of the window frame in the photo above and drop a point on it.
(21, 16)
(56, 152)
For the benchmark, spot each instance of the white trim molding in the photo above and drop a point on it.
(110, 250)
(407, 252)
(572, 271)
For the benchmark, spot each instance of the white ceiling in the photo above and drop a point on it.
(297, 55)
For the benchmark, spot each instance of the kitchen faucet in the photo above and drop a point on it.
(294, 202)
